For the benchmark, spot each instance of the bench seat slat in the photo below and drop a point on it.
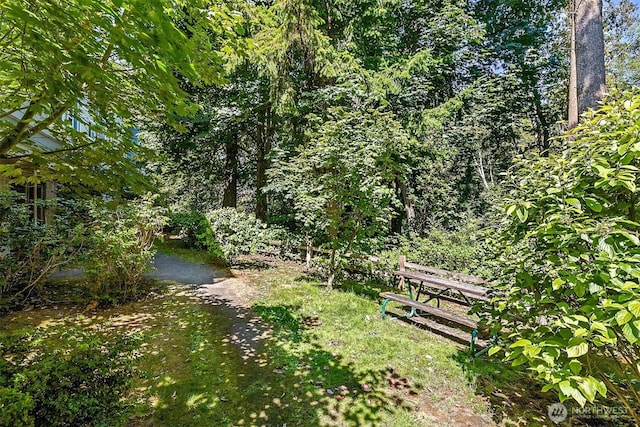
(448, 331)
(465, 321)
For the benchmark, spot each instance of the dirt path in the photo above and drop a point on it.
(224, 292)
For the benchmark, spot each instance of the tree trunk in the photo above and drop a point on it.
(332, 269)
(262, 163)
(542, 124)
(396, 221)
(573, 73)
(408, 208)
(230, 195)
(587, 80)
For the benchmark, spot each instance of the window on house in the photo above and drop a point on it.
(34, 196)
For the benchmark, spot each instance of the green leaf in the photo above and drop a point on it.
(630, 333)
(588, 390)
(575, 203)
(575, 366)
(493, 350)
(557, 283)
(634, 307)
(599, 385)
(531, 351)
(622, 317)
(565, 387)
(161, 65)
(602, 171)
(548, 387)
(577, 347)
(520, 343)
(522, 213)
(593, 204)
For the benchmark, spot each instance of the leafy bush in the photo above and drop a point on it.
(121, 247)
(234, 233)
(571, 309)
(74, 377)
(29, 251)
(463, 251)
(192, 228)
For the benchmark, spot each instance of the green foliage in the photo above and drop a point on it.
(571, 310)
(72, 377)
(340, 182)
(104, 62)
(233, 233)
(192, 228)
(29, 251)
(622, 43)
(120, 246)
(463, 251)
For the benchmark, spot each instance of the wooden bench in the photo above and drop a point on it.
(433, 283)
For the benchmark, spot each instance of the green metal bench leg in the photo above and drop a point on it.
(472, 344)
(413, 309)
(384, 306)
(494, 341)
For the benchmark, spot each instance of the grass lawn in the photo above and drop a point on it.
(329, 359)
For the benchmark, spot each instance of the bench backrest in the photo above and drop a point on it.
(410, 266)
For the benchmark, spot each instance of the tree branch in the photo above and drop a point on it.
(54, 116)
(62, 150)
(16, 134)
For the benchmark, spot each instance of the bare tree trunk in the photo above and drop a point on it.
(408, 207)
(396, 220)
(542, 123)
(587, 80)
(480, 165)
(573, 70)
(262, 164)
(230, 195)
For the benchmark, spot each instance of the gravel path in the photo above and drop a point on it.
(222, 291)
(217, 288)
(167, 267)
(171, 268)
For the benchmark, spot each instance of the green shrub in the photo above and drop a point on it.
(571, 310)
(121, 247)
(29, 251)
(234, 233)
(191, 227)
(15, 408)
(462, 251)
(73, 377)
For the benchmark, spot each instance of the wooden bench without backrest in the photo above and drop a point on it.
(439, 284)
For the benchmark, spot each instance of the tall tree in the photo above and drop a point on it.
(340, 181)
(587, 80)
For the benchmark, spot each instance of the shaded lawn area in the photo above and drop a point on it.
(329, 360)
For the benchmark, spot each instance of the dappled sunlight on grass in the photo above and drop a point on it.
(213, 382)
(282, 352)
(410, 367)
